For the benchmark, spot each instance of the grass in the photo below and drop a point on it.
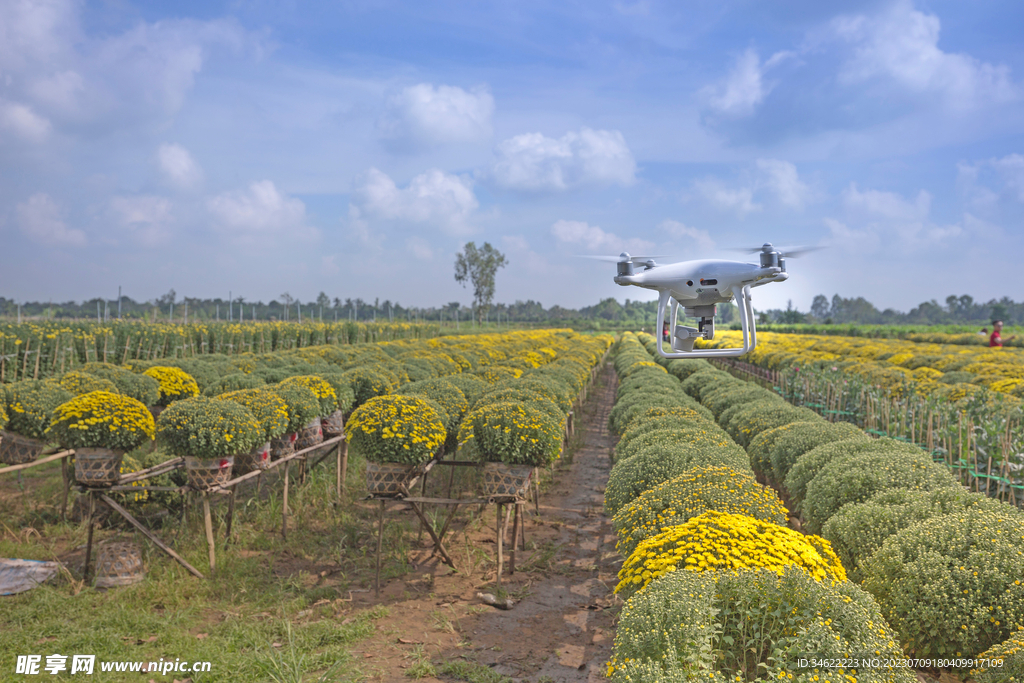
(471, 672)
(265, 614)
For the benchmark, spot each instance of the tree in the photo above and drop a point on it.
(479, 266)
(820, 307)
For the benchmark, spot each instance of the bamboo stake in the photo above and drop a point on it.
(208, 523)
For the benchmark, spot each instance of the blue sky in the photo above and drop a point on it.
(353, 147)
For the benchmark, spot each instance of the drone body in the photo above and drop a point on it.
(697, 287)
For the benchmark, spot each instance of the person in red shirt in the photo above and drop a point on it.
(996, 339)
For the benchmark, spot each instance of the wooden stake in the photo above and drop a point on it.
(149, 534)
(499, 529)
(66, 482)
(88, 542)
(344, 466)
(231, 516)
(284, 507)
(380, 543)
(208, 522)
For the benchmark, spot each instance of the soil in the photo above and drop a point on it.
(561, 626)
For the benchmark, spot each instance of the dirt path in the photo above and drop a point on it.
(561, 627)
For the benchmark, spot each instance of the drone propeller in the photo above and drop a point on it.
(786, 252)
(621, 258)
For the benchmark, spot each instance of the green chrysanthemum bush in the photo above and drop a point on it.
(513, 393)
(496, 374)
(175, 384)
(3, 412)
(705, 379)
(794, 439)
(203, 427)
(642, 366)
(715, 541)
(721, 398)
(953, 585)
(677, 415)
(512, 433)
(702, 434)
(1003, 663)
(236, 381)
(856, 478)
(395, 428)
(644, 379)
(807, 466)
(628, 407)
(101, 419)
(470, 385)
(327, 400)
(30, 404)
(368, 381)
(682, 369)
(750, 625)
(689, 495)
(859, 529)
(343, 393)
(551, 388)
(79, 383)
(660, 462)
(142, 388)
(745, 421)
(301, 402)
(445, 394)
(269, 409)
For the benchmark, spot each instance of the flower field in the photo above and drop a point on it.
(908, 562)
(39, 350)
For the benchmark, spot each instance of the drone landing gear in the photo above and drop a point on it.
(683, 337)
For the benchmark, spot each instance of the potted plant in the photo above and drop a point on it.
(79, 383)
(396, 434)
(510, 439)
(303, 406)
(208, 433)
(100, 426)
(271, 412)
(334, 424)
(142, 388)
(29, 406)
(311, 433)
(175, 385)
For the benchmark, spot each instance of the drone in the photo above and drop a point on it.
(698, 286)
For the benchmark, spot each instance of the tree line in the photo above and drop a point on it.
(961, 309)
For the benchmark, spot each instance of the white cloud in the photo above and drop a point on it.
(424, 116)
(783, 180)
(738, 199)
(82, 82)
(534, 162)
(596, 240)
(744, 88)
(889, 215)
(432, 198)
(260, 212)
(902, 44)
(40, 220)
(419, 248)
(23, 123)
(698, 239)
(147, 217)
(1011, 168)
(178, 166)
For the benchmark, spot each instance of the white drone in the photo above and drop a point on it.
(698, 286)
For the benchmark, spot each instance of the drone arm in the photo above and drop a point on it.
(746, 320)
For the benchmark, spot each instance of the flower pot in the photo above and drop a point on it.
(118, 564)
(256, 459)
(205, 474)
(333, 425)
(282, 447)
(387, 478)
(98, 467)
(501, 480)
(16, 449)
(309, 436)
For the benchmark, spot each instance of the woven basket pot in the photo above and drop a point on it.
(205, 474)
(118, 564)
(309, 436)
(282, 447)
(97, 467)
(16, 449)
(499, 479)
(387, 478)
(256, 459)
(333, 425)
